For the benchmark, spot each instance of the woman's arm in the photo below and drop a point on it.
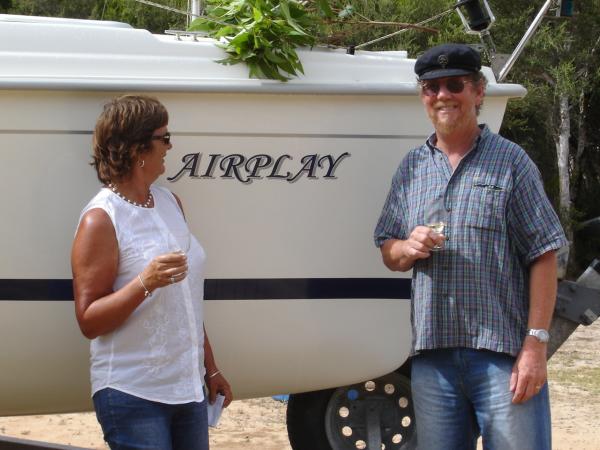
(94, 262)
(215, 381)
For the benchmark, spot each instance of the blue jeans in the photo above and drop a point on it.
(130, 422)
(460, 394)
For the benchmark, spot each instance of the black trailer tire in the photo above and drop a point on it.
(335, 419)
(305, 420)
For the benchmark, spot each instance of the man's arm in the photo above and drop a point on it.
(530, 370)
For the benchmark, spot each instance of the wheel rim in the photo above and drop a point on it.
(346, 415)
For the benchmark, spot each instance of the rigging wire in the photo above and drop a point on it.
(103, 9)
(387, 36)
(158, 5)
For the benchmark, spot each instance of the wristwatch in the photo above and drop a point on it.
(540, 334)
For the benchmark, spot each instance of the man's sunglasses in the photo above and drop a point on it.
(453, 85)
(166, 138)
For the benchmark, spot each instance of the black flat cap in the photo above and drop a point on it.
(447, 60)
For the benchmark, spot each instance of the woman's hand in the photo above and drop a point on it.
(164, 270)
(218, 384)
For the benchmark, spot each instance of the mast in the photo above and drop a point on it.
(195, 9)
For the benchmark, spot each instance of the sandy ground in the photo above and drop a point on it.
(259, 424)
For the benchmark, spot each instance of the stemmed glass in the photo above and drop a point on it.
(186, 245)
(436, 218)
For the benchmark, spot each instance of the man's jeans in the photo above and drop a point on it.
(460, 393)
(129, 423)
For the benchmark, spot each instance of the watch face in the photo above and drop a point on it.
(541, 335)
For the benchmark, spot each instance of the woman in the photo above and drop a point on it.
(138, 284)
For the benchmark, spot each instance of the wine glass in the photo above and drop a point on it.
(186, 243)
(436, 218)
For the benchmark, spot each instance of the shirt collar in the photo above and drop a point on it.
(483, 134)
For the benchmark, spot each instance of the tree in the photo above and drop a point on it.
(137, 14)
(77, 9)
(560, 69)
(141, 15)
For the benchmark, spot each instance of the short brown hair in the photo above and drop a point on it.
(123, 131)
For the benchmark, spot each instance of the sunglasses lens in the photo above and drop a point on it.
(455, 86)
(166, 138)
(431, 88)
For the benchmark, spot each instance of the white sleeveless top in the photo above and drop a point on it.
(158, 352)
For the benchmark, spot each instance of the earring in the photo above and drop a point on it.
(142, 163)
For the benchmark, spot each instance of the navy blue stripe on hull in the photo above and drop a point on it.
(236, 289)
(28, 289)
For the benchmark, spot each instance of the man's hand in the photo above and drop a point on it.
(421, 241)
(529, 373)
(401, 254)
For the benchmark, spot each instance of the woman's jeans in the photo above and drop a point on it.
(130, 422)
(461, 393)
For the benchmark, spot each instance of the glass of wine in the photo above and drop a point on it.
(181, 244)
(436, 218)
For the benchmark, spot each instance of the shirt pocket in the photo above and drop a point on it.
(486, 207)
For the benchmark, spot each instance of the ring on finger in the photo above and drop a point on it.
(172, 280)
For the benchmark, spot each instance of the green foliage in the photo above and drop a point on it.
(142, 16)
(525, 124)
(264, 34)
(136, 14)
(77, 9)
(359, 21)
(562, 59)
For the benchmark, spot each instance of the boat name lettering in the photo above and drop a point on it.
(246, 169)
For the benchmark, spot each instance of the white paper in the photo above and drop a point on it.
(215, 410)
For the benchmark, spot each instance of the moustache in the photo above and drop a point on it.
(444, 104)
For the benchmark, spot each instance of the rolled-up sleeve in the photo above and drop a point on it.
(391, 224)
(533, 224)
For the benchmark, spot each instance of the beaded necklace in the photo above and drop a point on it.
(146, 204)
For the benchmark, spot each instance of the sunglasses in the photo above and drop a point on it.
(453, 85)
(166, 138)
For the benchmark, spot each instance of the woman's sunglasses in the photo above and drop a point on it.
(453, 85)
(166, 138)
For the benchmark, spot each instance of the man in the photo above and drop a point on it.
(482, 304)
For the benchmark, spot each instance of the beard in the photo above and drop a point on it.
(447, 124)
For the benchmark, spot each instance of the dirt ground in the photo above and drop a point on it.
(259, 424)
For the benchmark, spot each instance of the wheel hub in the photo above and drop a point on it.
(374, 414)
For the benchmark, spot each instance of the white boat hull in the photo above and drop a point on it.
(297, 298)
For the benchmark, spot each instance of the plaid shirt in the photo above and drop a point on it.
(473, 293)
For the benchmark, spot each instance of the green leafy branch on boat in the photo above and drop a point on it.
(264, 34)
